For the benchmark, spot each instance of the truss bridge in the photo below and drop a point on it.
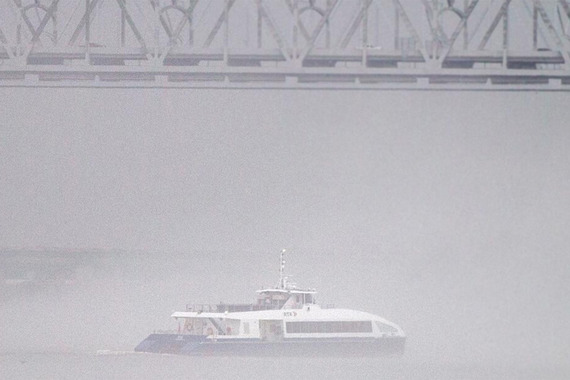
(297, 44)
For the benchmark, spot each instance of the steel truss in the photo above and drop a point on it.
(372, 44)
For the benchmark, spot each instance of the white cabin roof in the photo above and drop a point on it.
(307, 313)
(287, 291)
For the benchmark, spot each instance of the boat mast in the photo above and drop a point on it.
(282, 278)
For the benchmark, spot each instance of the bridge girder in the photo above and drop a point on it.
(286, 43)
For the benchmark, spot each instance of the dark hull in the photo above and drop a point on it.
(201, 346)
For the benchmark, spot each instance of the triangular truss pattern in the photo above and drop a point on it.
(222, 19)
(277, 37)
(82, 27)
(561, 43)
(317, 31)
(501, 15)
(312, 40)
(411, 29)
(22, 51)
(296, 52)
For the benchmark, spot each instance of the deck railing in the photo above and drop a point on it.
(230, 308)
(234, 308)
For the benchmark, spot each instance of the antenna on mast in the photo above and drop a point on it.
(282, 278)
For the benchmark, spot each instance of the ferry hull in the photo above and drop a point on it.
(202, 346)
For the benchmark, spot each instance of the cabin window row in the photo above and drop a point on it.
(329, 327)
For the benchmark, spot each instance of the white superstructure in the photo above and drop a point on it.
(283, 312)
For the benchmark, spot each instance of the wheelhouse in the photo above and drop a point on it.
(285, 298)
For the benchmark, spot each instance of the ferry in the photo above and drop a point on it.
(284, 321)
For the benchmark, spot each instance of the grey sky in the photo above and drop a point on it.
(178, 170)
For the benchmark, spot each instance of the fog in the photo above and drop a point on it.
(445, 212)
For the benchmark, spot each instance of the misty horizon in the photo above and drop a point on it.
(443, 212)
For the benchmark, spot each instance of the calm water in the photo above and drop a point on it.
(151, 366)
